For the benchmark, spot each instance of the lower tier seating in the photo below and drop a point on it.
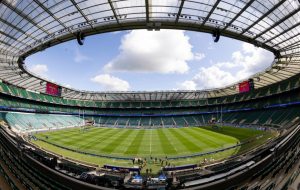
(26, 122)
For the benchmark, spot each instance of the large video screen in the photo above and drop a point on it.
(244, 86)
(53, 89)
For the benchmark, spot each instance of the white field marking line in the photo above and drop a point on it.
(151, 142)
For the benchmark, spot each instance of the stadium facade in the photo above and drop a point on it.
(271, 99)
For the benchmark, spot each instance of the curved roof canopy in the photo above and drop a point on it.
(29, 26)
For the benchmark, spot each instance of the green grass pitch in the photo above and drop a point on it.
(145, 142)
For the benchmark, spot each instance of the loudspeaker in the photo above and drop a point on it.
(80, 38)
(216, 35)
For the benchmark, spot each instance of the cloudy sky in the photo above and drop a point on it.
(149, 60)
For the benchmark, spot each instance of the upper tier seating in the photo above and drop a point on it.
(275, 105)
(269, 91)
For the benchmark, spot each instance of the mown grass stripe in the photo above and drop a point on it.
(162, 141)
(98, 140)
(189, 145)
(167, 147)
(202, 137)
(137, 143)
(85, 137)
(93, 137)
(216, 139)
(56, 135)
(133, 148)
(239, 133)
(69, 135)
(126, 143)
(116, 142)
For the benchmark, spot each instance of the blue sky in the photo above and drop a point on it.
(149, 60)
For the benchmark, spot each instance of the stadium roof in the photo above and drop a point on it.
(29, 26)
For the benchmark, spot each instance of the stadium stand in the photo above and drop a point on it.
(283, 91)
(198, 113)
(272, 102)
(279, 110)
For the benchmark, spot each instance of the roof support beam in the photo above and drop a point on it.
(147, 10)
(16, 28)
(40, 89)
(9, 74)
(17, 81)
(211, 11)
(283, 32)
(20, 13)
(287, 71)
(278, 76)
(4, 69)
(114, 11)
(25, 17)
(278, 22)
(261, 18)
(13, 38)
(292, 54)
(179, 11)
(237, 15)
(6, 51)
(260, 84)
(28, 84)
(8, 71)
(82, 14)
(268, 79)
(291, 48)
(290, 45)
(52, 15)
(69, 93)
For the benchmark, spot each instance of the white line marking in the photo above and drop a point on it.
(151, 142)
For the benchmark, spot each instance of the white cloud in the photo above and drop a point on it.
(199, 56)
(254, 60)
(79, 57)
(111, 83)
(212, 77)
(187, 85)
(67, 85)
(39, 69)
(244, 63)
(166, 51)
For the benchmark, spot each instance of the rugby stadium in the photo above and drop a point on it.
(240, 136)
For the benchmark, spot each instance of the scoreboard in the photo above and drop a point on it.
(53, 89)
